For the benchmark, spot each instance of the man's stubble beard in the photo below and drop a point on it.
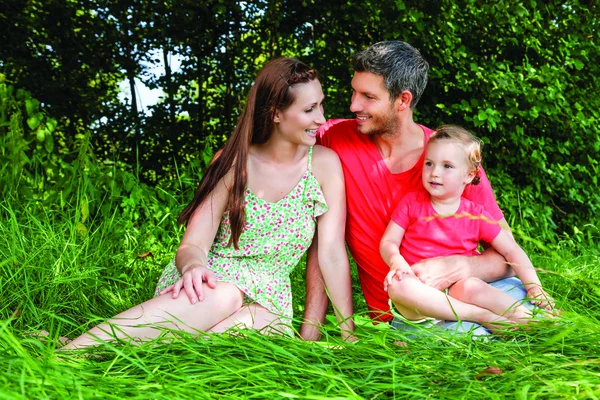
(386, 127)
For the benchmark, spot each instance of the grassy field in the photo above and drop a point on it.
(62, 273)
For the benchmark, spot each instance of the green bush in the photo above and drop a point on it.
(60, 205)
(524, 77)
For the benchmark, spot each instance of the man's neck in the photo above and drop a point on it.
(402, 149)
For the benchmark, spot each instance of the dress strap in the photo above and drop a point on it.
(310, 158)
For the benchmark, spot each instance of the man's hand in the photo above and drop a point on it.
(442, 272)
(310, 331)
(191, 281)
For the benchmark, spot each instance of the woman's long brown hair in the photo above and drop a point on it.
(269, 93)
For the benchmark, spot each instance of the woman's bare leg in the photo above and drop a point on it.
(477, 292)
(415, 301)
(146, 320)
(253, 316)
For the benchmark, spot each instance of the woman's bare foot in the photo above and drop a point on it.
(44, 335)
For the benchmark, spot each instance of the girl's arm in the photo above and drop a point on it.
(389, 248)
(192, 254)
(332, 256)
(518, 260)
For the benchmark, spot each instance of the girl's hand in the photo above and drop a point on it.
(191, 281)
(397, 269)
(540, 298)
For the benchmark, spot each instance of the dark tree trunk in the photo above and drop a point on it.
(169, 84)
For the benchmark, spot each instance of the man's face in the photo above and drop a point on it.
(375, 113)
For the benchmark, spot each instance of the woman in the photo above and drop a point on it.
(254, 214)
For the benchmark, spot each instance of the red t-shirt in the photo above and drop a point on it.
(372, 193)
(429, 234)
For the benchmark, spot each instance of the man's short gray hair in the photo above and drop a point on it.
(401, 66)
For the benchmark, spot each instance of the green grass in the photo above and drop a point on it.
(550, 362)
(56, 276)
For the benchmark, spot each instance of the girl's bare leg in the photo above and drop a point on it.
(415, 301)
(146, 320)
(253, 316)
(477, 292)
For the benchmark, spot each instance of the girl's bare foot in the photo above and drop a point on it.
(496, 323)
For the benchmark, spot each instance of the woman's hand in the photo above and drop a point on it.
(191, 281)
(349, 337)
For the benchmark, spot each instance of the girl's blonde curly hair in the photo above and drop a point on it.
(470, 143)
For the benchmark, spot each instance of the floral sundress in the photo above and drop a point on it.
(275, 237)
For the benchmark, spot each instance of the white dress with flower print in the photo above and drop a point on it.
(274, 239)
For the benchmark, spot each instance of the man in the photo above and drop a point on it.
(382, 152)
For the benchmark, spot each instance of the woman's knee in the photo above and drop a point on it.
(467, 289)
(228, 295)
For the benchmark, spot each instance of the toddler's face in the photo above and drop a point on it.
(446, 170)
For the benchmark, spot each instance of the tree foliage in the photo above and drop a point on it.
(521, 75)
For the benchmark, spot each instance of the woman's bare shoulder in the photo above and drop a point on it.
(325, 163)
(325, 155)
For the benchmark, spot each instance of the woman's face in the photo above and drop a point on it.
(299, 122)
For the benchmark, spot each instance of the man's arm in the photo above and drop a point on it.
(443, 272)
(316, 298)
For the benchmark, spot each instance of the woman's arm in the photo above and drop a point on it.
(316, 302)
(332, 257)
(192, 254)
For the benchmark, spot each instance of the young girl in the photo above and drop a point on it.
(437, 221)
(253, 216)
